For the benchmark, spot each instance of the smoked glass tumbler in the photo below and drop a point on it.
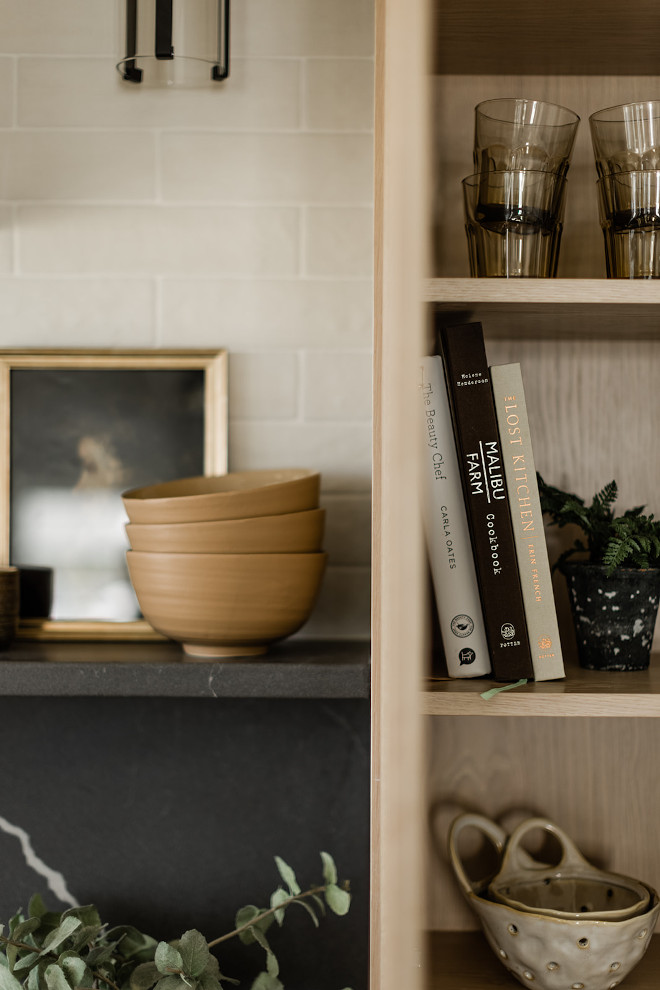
(626, 138)
(523, 134)
(513, 221)
(629, 208)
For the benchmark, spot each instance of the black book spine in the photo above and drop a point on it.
(486, 499)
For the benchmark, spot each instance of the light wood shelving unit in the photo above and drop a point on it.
(582, 751)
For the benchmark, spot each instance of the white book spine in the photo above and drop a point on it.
(447, 534)
(527, 521)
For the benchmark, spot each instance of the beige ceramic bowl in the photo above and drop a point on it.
(571, 888)
(292, 532)
(551, 953)
(237, 495)
(224, 605)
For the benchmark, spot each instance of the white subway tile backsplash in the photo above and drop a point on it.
(76, 165)
(340, 451)
(102, 312)
(7, 91)
(338, 94)
(153, 240)
(343, 606)
(336, 385)
(303, 27)
(299, 168)
(348, 529)
(261, 94)
(235, 215)
(339, 242)
(271, 314)
(66, 27)
(263, 386)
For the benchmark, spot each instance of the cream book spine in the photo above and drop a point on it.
(527, 521)
(447, 535)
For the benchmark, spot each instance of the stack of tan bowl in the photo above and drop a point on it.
(227, 564)
(568, 926)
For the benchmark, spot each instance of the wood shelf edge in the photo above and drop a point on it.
(579, 291)
(595, 694)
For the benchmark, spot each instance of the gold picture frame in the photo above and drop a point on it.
(65, 411)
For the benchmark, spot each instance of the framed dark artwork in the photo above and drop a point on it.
(80, 428)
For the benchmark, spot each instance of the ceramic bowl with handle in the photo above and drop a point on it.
(546, 952)
(573, 888)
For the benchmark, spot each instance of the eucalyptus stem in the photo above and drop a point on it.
(18, 945)
(104, 979)
(266, 913)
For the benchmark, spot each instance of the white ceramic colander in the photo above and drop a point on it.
(545, 952)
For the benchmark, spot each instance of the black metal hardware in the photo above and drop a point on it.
(163, 36)
(130, 70)
(221, 71)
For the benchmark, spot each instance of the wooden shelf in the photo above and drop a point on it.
(465, 961)
(587, 38)
(510, 291)
(591, 693)
(296, 668)
(558, 310)
(562, 291)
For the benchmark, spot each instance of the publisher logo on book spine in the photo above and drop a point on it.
(466, 655)
(508, 630)
(462, 626)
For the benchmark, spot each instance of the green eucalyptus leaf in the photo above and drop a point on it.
(209, 982)
(168, 959)
(35, 980)
(319, 903)
(287, 875)
(267, 982)
(134, 943)
(310, 911)
(4, 962)
(101, 954)
(88, 914)
(329, 868)
(36, 907)
(7, 981)
(15, 920)
(171, 983)
(337, 899)
(144, 976)
(55, 938)
(76, 970)
(212, 967)
(55, 978)
(272, 965)
(25, 928)
(278, 897)
(194, 951)
(85, 935)
(243, 917)
(26, 962)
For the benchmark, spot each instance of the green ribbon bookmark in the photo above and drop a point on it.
(487, 695)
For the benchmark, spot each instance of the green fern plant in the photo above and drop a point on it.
(631, 539)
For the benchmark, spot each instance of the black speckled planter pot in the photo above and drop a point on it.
(614, 616)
